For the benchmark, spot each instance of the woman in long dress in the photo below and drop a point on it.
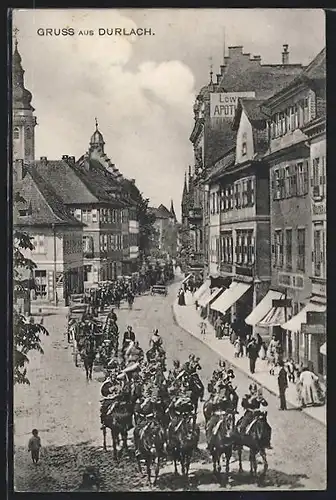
(181, 298)
(310, 389)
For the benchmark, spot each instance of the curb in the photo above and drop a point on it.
(238, 368)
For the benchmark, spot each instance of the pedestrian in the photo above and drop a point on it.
(283, 386)
(311, 393)
(252, 350)
(203, 328)
(34, 446)
(238, 348)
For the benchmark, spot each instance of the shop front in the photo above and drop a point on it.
(226, 304)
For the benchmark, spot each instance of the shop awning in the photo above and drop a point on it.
(294, 324)
(203, 290)
(275, 317)
(264, 306)
(323, 349)
(230, 296)
(186, 278)
(211, 295)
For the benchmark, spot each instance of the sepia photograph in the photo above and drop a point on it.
(169, 249)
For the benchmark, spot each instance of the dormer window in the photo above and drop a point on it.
(23, 212)
(16, 133)
(244, 145)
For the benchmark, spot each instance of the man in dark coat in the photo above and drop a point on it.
(283, 385)
(252, 349)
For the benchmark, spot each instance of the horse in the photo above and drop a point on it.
(118, 420)
(183, 438)
(156, 353)
(149, 441)
(88, 354)
(197, 391)
(219, 431)
(255, 438)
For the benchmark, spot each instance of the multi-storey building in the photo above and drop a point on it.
(212, 135)
(56, 236)
(165, 227)
(291, 111)
(239, 199)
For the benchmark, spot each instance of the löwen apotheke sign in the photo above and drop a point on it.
(224, 104)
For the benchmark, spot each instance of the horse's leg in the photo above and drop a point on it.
(183, 464)
(157, 470)
(239, 450)
(264, 459)
(148, 465)
(252, 453)
(114, 443)
(228, 455)
(104, 438)
(175, 466)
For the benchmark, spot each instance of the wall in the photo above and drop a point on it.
(263, 253)
(245, 129)
(262, 195)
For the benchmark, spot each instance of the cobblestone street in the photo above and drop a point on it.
(65, 409)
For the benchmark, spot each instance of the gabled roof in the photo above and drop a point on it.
(161, 212)
(315, 71)
(45, 206)
(222, 164)
(252, 110)
(76, 184)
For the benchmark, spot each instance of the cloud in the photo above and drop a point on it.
(141, 110)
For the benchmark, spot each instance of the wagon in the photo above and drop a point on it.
(159, 289)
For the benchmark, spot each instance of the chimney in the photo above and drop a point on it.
(64, 157)
(219, 77)
(256, 58)
(285, 54)
(43, 160)
(133, 181)
(72, 160)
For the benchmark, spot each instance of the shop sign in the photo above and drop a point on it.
(281, 303)
(313, 329)
(224, 104)
(315, 318)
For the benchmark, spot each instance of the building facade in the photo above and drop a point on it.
(240, 76)
(165, 225)
(55, 234)
(295, 176)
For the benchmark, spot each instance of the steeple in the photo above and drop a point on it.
(24, 121)
(172, 211)
(97, 141)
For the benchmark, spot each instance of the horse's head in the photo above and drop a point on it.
(225, 424)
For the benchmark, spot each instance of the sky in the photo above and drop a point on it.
(142, 88)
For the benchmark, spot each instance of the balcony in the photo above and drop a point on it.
(195, 215)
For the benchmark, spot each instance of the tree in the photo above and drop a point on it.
(26, 334)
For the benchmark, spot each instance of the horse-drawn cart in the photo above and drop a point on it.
(159, 289)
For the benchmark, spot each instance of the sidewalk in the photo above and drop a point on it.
(189, 319)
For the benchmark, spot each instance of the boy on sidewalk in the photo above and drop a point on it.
(34, 446)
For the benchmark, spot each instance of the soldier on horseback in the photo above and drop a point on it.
(134, 353)
(252, 403)
(156, 340)
(111, 390)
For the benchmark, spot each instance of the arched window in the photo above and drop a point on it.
(16, 133)
(28, 133)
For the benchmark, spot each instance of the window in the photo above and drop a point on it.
(23, 212)
(239, 248)
(86, 215)
(287, 182)
(217, 202)
(230, 201)
(227, 248)
(316, 180)
(306, 110)
(289, 243)
(38, 242)
(94, 215)
(302, 178)
(87, 245)
(245, 247)
(276, 184)
(222, 200)
(237, 195)
(78, 214)
(317, 253)
(213, 203)
(296, 116)
(301, 250)
(16, 133)
(293, 180)
(278, 247)
(245, 193)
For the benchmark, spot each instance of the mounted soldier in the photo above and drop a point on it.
(134, 353)
(111, 391)
(252, 403)
(129, 337)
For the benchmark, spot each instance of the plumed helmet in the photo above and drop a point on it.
(253, 388)
(230, 373)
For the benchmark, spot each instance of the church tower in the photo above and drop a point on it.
(97, 142)
(23, 121)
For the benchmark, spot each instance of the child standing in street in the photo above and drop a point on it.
(34, 446)
(203, 328)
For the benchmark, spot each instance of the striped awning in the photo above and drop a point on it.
(294, 324)
(264, 306)
(323, 349)
(230, 296)
(204, 289)
(276, 316)
(211, 295)
(186, 278)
